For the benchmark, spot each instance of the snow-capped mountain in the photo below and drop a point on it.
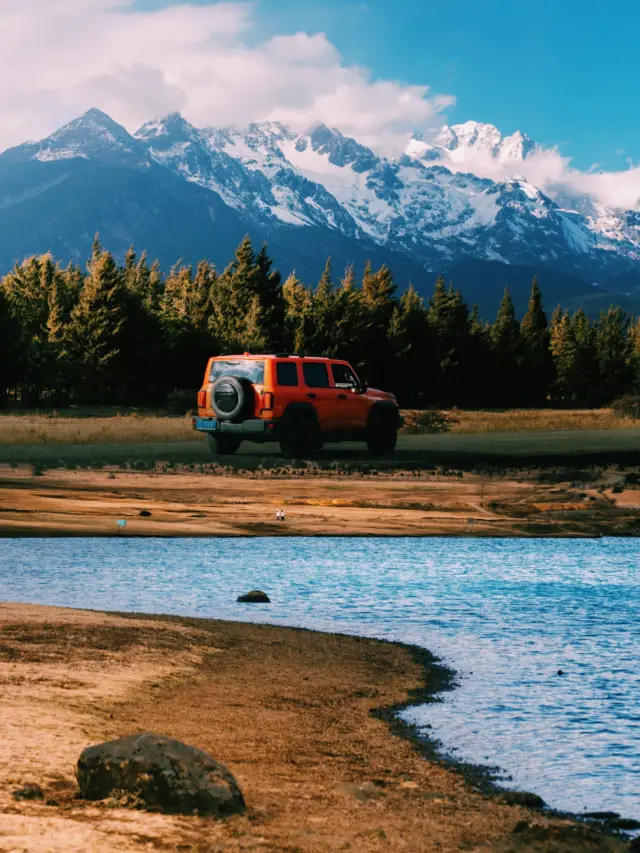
(462, 142)
(320, 191)
(414, 204)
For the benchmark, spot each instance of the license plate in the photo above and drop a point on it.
(206, 426)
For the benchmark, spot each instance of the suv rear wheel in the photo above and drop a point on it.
(300, 437)
(224, 445)
(382, 433)
(231, 397)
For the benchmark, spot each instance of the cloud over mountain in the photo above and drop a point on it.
(208, 63)
(203, 61)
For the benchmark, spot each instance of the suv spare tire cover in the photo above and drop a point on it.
(229, 397)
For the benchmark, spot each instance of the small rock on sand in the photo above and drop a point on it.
(162, 773)
(256, 596)
(29, 792)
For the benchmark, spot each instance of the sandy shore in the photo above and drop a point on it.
(295, 715)
(394, 503)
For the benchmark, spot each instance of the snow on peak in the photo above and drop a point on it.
(430, 200)
(92, 135)
(473, 134)
(173, 125)
(516, 147)
(462, 143)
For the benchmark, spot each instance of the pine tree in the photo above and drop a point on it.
(57, 370)
(409, 346)
(27, 289)
(566, 357)
(506, 347)
(352, 321)
(378, 300)
(585, 380)
(537, 372)
(297, 302)
(96, 331)
(449, 343)
(320, 324)
(131, 270)
(614, 355)
(233, 295)
(9, 350)
(634, 346)
(479, 380)
(254, 337)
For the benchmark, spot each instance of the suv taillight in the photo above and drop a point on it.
(202, 399)
(267, 401)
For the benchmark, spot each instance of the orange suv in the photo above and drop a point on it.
(298, 401)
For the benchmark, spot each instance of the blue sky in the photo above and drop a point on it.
(564, 71)
(567, 72)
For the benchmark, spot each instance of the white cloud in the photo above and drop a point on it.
(553, 174)
(61, 57)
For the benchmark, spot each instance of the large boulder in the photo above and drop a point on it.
(163, 773)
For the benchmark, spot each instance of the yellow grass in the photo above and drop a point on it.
(117, 429)
(67, 429)
(524, 420)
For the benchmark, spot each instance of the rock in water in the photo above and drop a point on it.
(256, 596)
(523, 798)
(163, 773)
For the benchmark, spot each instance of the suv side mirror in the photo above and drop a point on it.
(361, 387)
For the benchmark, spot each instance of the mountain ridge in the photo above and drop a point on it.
(307, 192)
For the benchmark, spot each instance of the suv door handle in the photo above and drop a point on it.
(342, 397)
(312, 396)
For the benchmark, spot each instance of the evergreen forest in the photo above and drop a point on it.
(127, 334)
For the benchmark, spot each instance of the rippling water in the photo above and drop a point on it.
(506, 614)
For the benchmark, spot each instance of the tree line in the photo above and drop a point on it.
(128, 334)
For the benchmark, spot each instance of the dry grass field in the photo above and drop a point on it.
(111, 427)
(539, 420)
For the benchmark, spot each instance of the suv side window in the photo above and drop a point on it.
(343, 377)
(287, 374)
(315, 374)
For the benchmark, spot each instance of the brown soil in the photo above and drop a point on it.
(397, 503)
(289, 712)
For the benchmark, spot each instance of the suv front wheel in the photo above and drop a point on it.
(224, 445)
(382, 434)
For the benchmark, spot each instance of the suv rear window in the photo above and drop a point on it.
(315, 374)
(287, 373)
(243, 368)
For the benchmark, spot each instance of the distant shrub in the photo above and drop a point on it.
(181, 402)
(431, 421)
(627, 406)
(567, 475)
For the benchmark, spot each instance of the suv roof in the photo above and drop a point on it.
(277, 355)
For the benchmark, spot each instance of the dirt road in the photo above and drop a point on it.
(413, 450)
(395, 503)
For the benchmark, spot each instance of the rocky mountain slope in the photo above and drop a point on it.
(180, 191)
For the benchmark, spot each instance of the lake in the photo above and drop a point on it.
(505, 614)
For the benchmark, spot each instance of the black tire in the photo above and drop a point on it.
(382, 434)
(224, 445)
(230, 397)
(300, 437)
